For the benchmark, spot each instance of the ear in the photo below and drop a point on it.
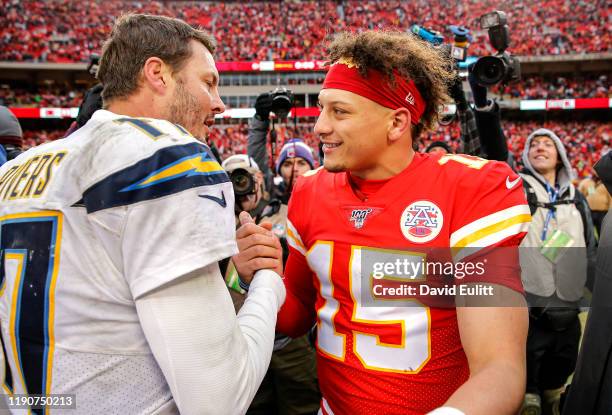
(399, 125)
(156, 74)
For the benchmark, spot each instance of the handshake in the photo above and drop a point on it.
(259, 249)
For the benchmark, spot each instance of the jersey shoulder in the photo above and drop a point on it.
(313, 181)
(129, 160)
(467, 170)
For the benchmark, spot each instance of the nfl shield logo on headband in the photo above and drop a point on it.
(410, 98)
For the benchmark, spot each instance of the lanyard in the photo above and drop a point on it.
(553, 194)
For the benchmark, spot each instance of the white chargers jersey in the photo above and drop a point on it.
(88, 224)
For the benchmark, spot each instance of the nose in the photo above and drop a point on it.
(217, 107)
(322, 126)
(540, 148)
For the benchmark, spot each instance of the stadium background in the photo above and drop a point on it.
(563, 46)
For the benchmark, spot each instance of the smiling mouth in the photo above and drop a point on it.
(329, 147)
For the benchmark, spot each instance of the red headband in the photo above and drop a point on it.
(376, 87)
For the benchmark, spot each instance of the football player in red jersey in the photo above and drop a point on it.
(377, 198)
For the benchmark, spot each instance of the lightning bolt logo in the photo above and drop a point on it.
(201, 164)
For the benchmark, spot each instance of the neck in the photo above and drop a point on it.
(394, 165)
(550, 177)
(135, 106)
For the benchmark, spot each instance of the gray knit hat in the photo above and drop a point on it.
(10, 130)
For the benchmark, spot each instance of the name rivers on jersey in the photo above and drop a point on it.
(30, 178)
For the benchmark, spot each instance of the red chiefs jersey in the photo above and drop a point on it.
(391, 359)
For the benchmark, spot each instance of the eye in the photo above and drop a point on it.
(339, 111)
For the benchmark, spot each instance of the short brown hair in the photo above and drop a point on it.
(414, 59)
(137, 37)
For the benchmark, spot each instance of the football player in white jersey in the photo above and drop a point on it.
(110, 240)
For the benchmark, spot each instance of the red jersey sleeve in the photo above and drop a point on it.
(490, 218)
(298, 313)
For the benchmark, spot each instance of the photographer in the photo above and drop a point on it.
(290, 385)
(10, 135)
(557, 259)
(280, 102)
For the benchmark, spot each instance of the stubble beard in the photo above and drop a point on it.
(185, 111)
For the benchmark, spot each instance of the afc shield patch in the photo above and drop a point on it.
(421, 221)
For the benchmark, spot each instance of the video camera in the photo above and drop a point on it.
(501, 67)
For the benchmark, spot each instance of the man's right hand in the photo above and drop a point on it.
(263, 106)
(259, 249)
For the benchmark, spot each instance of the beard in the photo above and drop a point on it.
(185, 111)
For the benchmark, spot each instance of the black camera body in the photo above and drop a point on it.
(282, 101)
(93, 65)
(501, 67)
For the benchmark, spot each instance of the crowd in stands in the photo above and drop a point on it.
(69, 31)
(530, 87)
(45, 96)
(537, 87)
(586, 142)
(33, 138)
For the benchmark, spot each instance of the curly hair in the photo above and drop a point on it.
(411, 57)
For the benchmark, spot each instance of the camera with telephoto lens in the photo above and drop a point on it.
(243, 182)
(501, 67)
(282, 101)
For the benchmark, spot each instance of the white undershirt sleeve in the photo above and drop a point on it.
(213, 360)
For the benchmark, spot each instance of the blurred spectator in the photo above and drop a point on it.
(553, 274)
(11, 135)
(69, 31)
(438, 147)
(598, 198)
